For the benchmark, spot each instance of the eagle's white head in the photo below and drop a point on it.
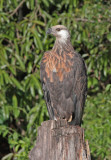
(60, 32)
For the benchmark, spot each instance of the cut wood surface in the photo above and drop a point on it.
(57, 140)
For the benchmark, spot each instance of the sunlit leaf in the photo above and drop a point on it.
(109, 37)
(17, 83)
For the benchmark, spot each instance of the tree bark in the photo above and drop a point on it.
(59, 141)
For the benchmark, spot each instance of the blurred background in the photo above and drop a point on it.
(23, 41)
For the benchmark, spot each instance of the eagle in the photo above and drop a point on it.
(64, 79)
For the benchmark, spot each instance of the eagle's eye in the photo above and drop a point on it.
(58, 29)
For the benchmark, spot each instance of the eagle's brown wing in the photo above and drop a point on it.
(64, 85)
(46, 90)
(79, 88)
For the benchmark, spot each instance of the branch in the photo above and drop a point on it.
(16, 9)
(91, 21)
(84, 20)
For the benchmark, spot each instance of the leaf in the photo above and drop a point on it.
(1, 79)
(109, 37)
(1, 5)
(46, 3)
(108, 87)
(6, 111)
(14, 100)
(75, 3)
(29, 68)
(5, 133)
(32, 4)
(39, 23)
(16, 110)
(39, 42)
(8, 156)
(15, 136)
(16, 46)
(20, 62)
(6, 78)
(37, 84)
(17, 84)
(12, 69)
(32, 91)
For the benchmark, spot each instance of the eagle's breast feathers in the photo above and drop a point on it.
(57, 65)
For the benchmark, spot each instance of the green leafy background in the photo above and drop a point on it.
(23, 40)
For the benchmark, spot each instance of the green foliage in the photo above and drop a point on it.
(22, 44)
(97, 124)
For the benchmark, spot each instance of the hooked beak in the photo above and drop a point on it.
(49, 31)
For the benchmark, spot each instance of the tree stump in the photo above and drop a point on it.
(57, 140)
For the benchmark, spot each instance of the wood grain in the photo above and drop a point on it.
(59, 141)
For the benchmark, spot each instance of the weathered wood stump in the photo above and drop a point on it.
(59, 141)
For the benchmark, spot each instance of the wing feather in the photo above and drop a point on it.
(46, 91)
(79, 88)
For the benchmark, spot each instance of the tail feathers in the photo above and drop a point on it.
(78, 115)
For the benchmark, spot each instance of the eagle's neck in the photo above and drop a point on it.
(61, 47)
